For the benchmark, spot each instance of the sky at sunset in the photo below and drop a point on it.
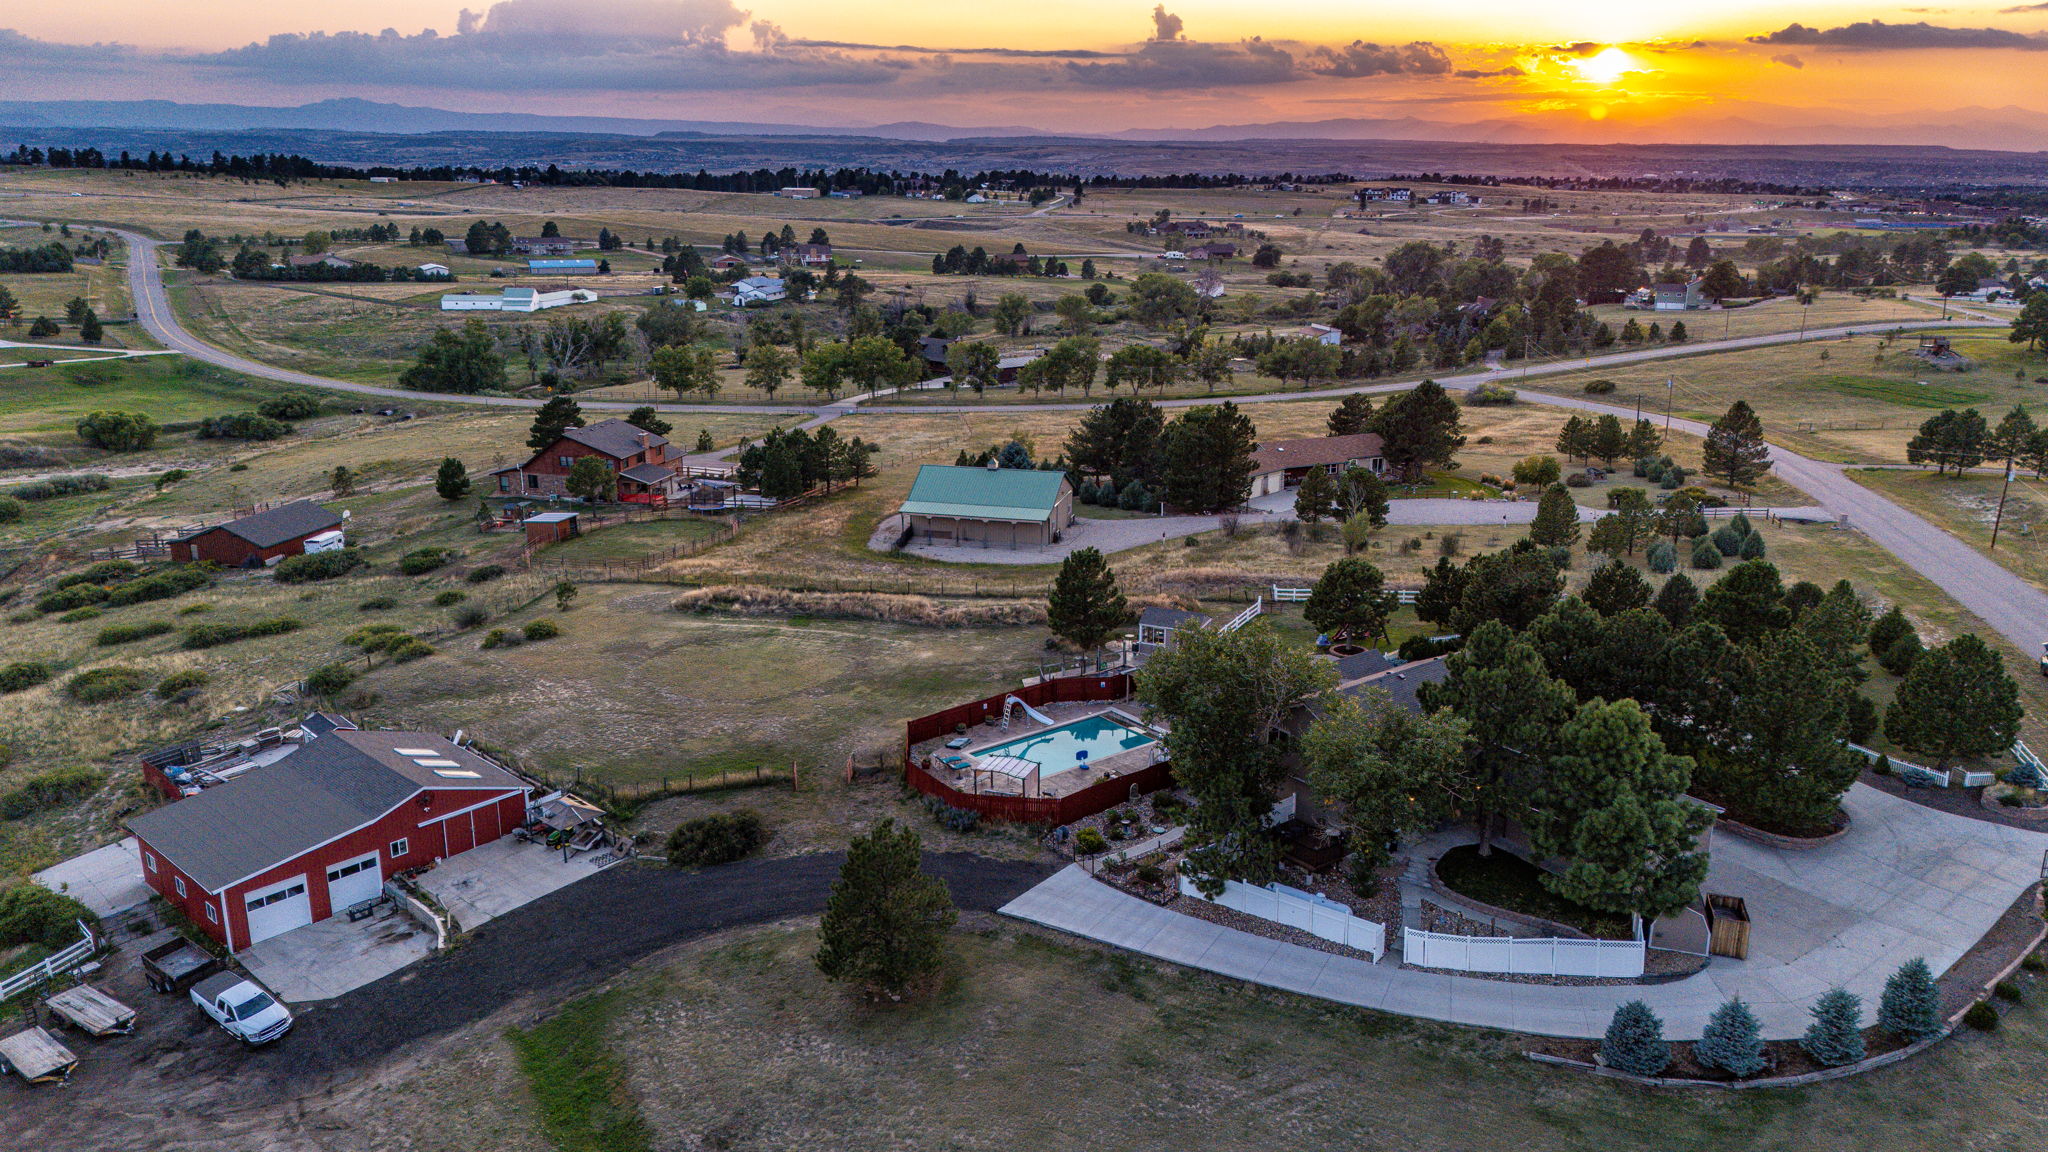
(1682, 70)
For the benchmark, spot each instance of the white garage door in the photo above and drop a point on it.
(279, 908)
(353, 882)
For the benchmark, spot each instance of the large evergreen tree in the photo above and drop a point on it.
(1086, 607)
(1786, 763)
(1557, 518)
(885, 923)
(1351, 600)
(1206, 457)
(1514, 586)
(1419, 430)
(1677, 599)
(1392, 771)
(1748, 602)
(551, 419)
(1613, 810)
(464, 361)
(1225, 695)
(1352, 415)
(1957, 701)
(1735, 450)
(1513, 708)
(452, 481)
(1119, 440)
(1316, 499)
(1616, 587)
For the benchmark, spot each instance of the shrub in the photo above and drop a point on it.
(1836, 1035)
(243, 426)
(498, 638)
(450, 597)
(58, 486)
(1578, 480)
(141, 630)
(961, 820)
(1910, 1008)
(1982, 1016)
(178, 684)
(1899, 658)
(1728, 539)
(78, 614)
(214, 635)
(99, 685)
(1537, 471)
(1601, 388)
(10, 509)
(117, 431)
(329, 679)
(290, 406)
(1705, 555)
(72, 596)
(159, 586)
(470, 616)
(1883, 767)
(1753, 546)
(1088, 842)
(378, 604)
(542, 630)
(52, 789)
(1732, 1041)
(2035, 962)
(717, 839)
(1862, 718)
(23, 674)
(1490, 396)
(33, 914)
(1662, 557)
(485, 574)
(2009, 992)
(420, 561)
(409, 649)
(374, 637)
(1635, 1041)
(309, 567)
(194, 609)
(104, 572)
(1426, 647)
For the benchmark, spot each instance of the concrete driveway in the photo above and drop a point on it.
(326, 959)
(489, 881)
(1905, 881)
(107, 880)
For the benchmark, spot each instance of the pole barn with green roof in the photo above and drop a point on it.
(993, 507)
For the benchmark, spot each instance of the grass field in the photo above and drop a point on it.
(1034, 1042)
(1967, 507)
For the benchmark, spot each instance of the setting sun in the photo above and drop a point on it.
(1605, 66)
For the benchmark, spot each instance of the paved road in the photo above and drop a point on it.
(2015, 609)
(1906, 881)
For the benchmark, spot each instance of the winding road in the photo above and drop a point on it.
(2009, 605)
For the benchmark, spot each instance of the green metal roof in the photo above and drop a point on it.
(983, 493)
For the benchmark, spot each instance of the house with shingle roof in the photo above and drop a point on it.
(318, 831)
(991, 507)
(1282, 464)
(646, 467)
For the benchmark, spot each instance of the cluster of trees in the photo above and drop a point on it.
(255, 264)
(959, 261)
(51, 257)
(1585, 438)
(786, 464)
(1963, 440)
(1200, 462)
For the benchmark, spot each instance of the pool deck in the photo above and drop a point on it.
(1056, 784)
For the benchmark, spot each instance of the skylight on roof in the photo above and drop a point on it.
(416, 751)
(437, 763)
(458, 773)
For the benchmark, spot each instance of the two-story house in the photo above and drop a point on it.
(646, 467)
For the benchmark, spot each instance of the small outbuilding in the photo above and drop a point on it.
(994, 507)
(550, 528)
(256, 540)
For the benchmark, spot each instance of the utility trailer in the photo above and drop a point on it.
(92, 1011)
(177, 965)
(36, 1057)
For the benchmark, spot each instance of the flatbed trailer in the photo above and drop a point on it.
(36, 1057)
(92, 1011)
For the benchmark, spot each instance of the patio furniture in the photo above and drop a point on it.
(959, 742)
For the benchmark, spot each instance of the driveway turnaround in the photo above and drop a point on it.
(331, 957)
(492, 879)
(1905, 881)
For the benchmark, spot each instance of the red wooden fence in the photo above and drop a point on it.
(1097, 797)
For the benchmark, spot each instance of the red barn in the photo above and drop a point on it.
(298, 840)
(253, 540)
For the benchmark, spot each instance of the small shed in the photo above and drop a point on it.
(36, 1057)
(551, 528)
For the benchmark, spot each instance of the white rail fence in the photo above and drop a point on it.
(1934, 777)
(52, 965)
(1298, 909)
(1300, 595)
(1550, 956)
(1245, 617)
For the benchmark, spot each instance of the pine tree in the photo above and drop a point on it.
(1735, 449)
(1316, 498)
(1836, 1035)
(1644, 439)
(885, 923)
(1752, 546)
(1350, 599)
(1615, 588)
(1661, 557)
(90, 329)
(1499, 684)
(1887, 630)
(553, 418)
(1086, 607)
(1748, 602)
(1676, 600)
(1705, 556)
(452, 481)
(1419, 430)
(1557, 519)
(1352, 415)
(1957, 701)
(1635, 1041)
(1207, 458)
(1575, 438)
(1732, 1041)
(1900, 655)
(1910, 1008)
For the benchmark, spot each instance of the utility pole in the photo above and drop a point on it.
(1999, 519)
(1670, 384)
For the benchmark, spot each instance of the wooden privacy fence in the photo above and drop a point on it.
(1549, 956)
(645, 791)
(1100, 796)
(1297, 909)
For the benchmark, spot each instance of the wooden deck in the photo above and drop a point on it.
(92, 1011)
(37, 1057)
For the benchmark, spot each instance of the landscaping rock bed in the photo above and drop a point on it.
(1148, 812)
(1230, 918)
(1962, 802)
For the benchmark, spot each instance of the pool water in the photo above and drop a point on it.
(1054, 749)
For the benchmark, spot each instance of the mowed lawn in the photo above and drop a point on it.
(737, 1042)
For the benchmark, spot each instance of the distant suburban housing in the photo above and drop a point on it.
(993, 507)
(1324, 334)
(1990, 290)
(647, 474)
(318, 831)
(303, 260)
(1394, 195)
(797, 193)
(1282, 464)
(1215, 250)
(583, 267)
(1685, 297)
(515, 300)
(846, 193)
(728, 261)
(1452, 197)
(255, 540)
(758, 290)
(806, 255)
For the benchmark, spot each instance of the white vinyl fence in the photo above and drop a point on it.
(1551, 956)
(1297, 909)
(56, 965)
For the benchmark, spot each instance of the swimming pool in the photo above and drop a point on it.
(1056, 749)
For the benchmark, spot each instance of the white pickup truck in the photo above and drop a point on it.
(242, 1008)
